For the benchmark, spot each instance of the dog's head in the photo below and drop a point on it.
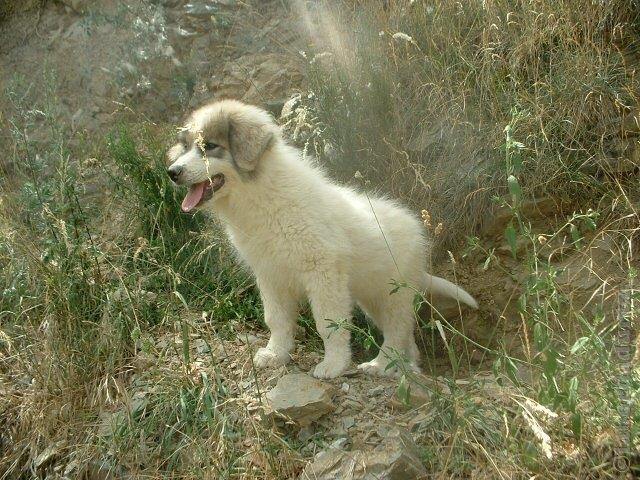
(221, 144)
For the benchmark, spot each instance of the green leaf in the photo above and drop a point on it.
(514, 189)
(576, 424)
(497, 367)
(575, 235)
(589, 222)
(404, 390)
(184, 335)
(551, 364)
(507, 132)
(539, 336)
(207, 397)
(510, 235)
(136, 333)
(572, 399)
(181, 298)
(580, 344)
(184, 403)
(512, 370)
(441, 332)
(516, 159)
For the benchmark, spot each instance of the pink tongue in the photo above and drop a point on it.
(194, 195)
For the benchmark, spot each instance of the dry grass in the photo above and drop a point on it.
(417, 98)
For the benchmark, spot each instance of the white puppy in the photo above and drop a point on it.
(304, 237)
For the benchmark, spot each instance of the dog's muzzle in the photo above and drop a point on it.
(202, 191)
(174, 172)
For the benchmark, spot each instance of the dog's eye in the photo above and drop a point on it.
(210, 146)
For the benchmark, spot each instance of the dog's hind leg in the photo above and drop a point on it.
(280, 310)
(394, 316)
(331, 305)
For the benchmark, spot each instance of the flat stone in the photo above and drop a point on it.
(348, 422)
(396, 458)
(301, 398)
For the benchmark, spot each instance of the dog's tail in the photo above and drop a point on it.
(443, 287)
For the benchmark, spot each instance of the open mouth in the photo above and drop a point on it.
(202, 191)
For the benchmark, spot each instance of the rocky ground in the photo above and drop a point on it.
(164, 58)
(352, 427)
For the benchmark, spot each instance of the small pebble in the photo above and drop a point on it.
(376, 390)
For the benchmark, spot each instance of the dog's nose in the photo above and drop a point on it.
(174, 172)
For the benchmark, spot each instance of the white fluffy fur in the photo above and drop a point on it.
(304, 237)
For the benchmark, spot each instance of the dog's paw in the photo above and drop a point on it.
(378, 366)
(330, 368)
(266, 357)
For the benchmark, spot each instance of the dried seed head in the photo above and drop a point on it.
(438, 229)
(426, 218)
(402, 36)
(142, 243)
(199, 141)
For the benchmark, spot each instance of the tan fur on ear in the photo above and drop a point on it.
(248, 139)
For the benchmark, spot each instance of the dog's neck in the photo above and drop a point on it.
(272, 188)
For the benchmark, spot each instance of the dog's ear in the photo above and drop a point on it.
(249, 138)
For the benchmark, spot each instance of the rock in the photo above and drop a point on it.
(78, 6)
(339, 443)
(306, 433)
(111, 422)
(348, 422)
(248, 338)
(333, 464)
(376, 390)
(301, 398)
(577, 273)
(200, 9)
(536, 208)
(275, 107)
(202, 347)
(396, 458)
(417, 396)
(260, 78)
(521, 244)
(420, 391)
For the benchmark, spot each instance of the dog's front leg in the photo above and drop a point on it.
(280, 310)
(331, 306)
